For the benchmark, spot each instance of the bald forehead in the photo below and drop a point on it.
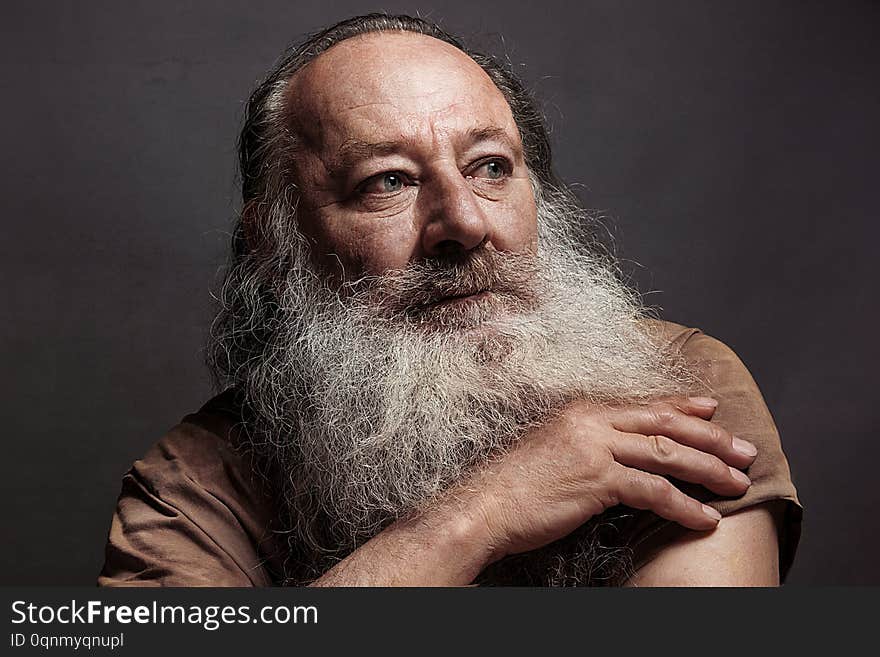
(387, 77)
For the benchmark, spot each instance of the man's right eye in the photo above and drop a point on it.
(388, 182)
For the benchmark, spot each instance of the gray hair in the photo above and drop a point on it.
(264, 237)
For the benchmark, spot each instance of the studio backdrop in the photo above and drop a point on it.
(732, 148)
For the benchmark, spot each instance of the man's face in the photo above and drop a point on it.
(407, 151)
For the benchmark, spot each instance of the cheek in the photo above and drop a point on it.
(529, 222)
(369, 245)
(516, 220)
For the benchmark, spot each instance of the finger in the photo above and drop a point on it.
(664, 419)
(662, 455)
(703, 407)
(642, 490)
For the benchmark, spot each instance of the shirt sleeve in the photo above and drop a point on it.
(743, 412)
(185, 517)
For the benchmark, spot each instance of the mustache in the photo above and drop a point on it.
(511, 276)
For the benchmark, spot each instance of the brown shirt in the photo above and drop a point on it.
(194, 512)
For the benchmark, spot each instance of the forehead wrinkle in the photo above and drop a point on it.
(311, 95)
(354, 150)
(443, 123)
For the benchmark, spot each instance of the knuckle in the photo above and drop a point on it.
(577, 418)
(663, 448)
(719, 436)
(664, 415)
(662, 490)
(593, 462)
(669, 493)
(607, 491)
(593, 457)
(719, 471)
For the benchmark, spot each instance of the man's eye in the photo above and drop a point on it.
(383, 183)
(493, 170)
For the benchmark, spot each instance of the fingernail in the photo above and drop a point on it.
(744, 447)
(712, 513)
(707, 402)
(740, 476)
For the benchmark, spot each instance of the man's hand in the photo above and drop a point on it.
(591, 458)
(555, 479)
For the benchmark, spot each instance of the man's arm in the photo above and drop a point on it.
(743, 550)
(445, 546)
(560, 475)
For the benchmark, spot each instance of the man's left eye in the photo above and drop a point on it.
(492, 169)
(388, 182)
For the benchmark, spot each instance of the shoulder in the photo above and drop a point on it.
(743, 411)
(690, 341)
(718, 368)
(204, 450)
(193, 510)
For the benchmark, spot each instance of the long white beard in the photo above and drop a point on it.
(368, 413)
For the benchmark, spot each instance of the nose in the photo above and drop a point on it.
(454, 221)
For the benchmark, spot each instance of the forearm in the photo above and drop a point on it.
(443, 546)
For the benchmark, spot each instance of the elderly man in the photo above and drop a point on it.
(433, 375)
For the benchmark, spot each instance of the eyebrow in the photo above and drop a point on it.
(355, 150)
(490, 133)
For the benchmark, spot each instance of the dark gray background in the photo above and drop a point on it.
(733, 145)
